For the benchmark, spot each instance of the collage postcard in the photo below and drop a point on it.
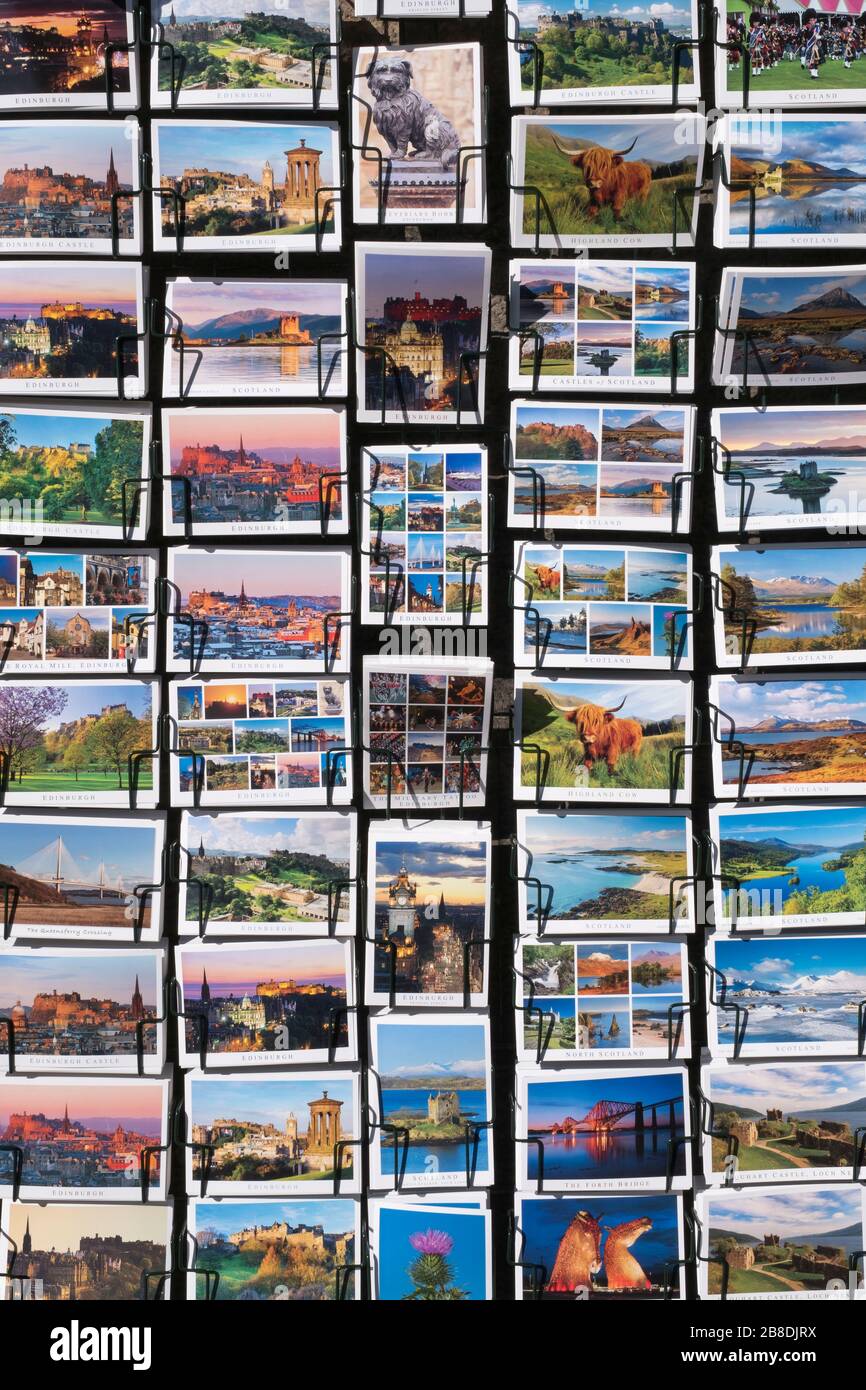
(64, 57)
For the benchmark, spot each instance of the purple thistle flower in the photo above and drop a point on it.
(431, 1242)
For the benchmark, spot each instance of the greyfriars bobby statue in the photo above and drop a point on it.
(405, 118)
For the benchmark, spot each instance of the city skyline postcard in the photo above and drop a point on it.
(430, 1252)
(271, 338)
(86, 1254)
(56, 55)
(776, 48)
(246, 186)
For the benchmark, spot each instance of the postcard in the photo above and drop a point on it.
(418, 134)
(83, 878)
(608, 325)
(603, 605)
(56, 54)
(85, 1137)
(271, 338)
(790, 467)
(82, 1010)
(246, 186)
(74, 474)
(796, 737)
(601, 1001)
(604, 872)
(431, 1100)
(785, 1122)
(274, 742)
(597, 467)
(422, 323)
(478, 1201)
(73, 742)
(425, 731)
(629, 1250)
(575, 745)
(85, 1253)
(72, 329)
(234, 54)
(424, 534)
(428, 891)
(296, 1250)
(602, 1130)
(264, 1005)
(440, 1254)
(77, 611)
(279, 472)
(801, 999)
(281, 610)
(612, 181)
(267, 1136)
(258, 873)
(795, 58)
(785, 866)
(791, 327)
(773, 1244)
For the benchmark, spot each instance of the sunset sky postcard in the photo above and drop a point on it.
(134, 1106)
(102, 975)
(275, 434)
(105, 285)
(238, 970)
(264, 574)
(84, 148)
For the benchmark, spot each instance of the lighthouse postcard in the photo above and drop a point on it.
(57, 55)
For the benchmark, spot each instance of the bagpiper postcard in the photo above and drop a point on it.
(430, 1254)
(790, 59)
(601, 325)
(82, 1010)
(83, 878)
(72, 1252)
(424, 535)
(277, 742)
(595, 467)
(264, 874)
(244, 186)
(234, 53)
(85, 1137)
(604, 872)
(55, 54)
(272, 338)
(601, 1001)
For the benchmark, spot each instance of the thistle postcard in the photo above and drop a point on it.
(431, 1254)
(262, 742)
(86, 1253)
(56, 54)
(790, 59)
(85, 1137)
(783, 1122)
(264, 874)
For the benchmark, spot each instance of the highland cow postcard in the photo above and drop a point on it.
(237, 53)
(796, 737)
(783, 1122)
(614, 181)
(772, 1244)
(86, 1254)
(596, 740)
(601, 325)
(83, 1011)
(264, 874)
(422, 326)
(599, 605)
(72, 329)
(428, 891)
(263, 1005)
(83, 878)
(79, 742)
(603, 1130)
(801, 997)
(628, 1251)
(790, 467)
(790, 58)
(426, 732)
(431, 1254)
(418, 134)
(596, 467)
(278, 472)
(604, 872)
(245, 186)
(84, 1137)
(268, 1136)
(424, 535)
(262, 742)
(599, 51)
(432, 1092)
(602, 1001)
(300, 1250)
(260, 610)
(56, 54)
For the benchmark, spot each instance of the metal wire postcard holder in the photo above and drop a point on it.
(515, 1249)
(733, 477)
(129, 350)
(739, 334)
(204, 894)
(394, 581)
(735, 185)
(725, 602)
(170, 742)
(732, 46)
(112, 48)
(717, 987)
(745, 757)
(543, 891)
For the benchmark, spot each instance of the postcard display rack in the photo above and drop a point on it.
(375, 841)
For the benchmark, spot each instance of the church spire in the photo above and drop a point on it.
(112, 182)
(137, 1002)
(205, 988)
(27, 1240)
(242, 458)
